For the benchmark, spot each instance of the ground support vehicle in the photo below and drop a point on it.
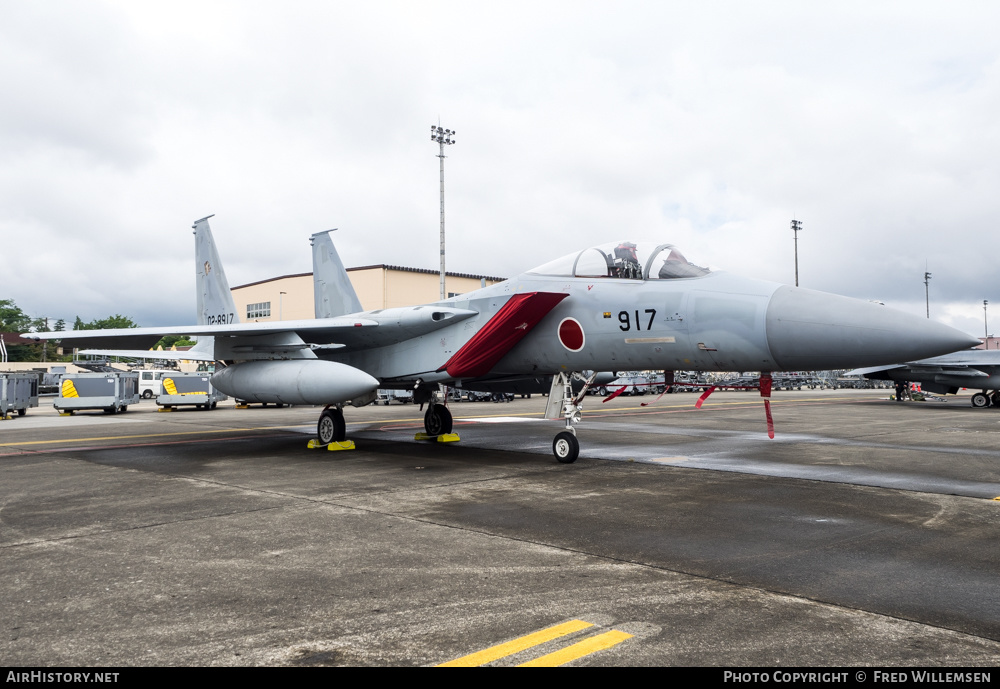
(690, 381)
(110, 392)
(188, 389)
(151, 382)
(385, 396)
(18, 392)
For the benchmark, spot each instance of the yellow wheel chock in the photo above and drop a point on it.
(332, 447)
(443, 438)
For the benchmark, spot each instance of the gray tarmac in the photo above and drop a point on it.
(864, 534)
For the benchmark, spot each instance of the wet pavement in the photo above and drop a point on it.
(865, 533)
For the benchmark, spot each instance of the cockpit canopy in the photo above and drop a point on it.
(624, 260)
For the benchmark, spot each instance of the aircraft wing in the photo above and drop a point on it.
(873, 369)
(368, 330)
(973, 363)
(975, 358)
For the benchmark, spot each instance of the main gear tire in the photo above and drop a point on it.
(437, 420)
(331, 427)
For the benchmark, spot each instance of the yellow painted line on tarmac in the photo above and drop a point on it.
(144, 435)
(580, 649)
(517, 645)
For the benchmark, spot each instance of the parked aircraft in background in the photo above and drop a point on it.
(618, 306)
(978, 369)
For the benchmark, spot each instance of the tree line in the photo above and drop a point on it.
(14, 320)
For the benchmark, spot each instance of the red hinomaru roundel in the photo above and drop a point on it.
(571, 334)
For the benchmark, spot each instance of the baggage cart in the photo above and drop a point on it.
(18, 392)
(183, 389)
(109, 392)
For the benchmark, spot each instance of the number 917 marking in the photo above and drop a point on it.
(625, 318)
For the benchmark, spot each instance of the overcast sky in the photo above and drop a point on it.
(706, 124)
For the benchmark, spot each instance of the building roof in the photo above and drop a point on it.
(381, 266)
(16, 339)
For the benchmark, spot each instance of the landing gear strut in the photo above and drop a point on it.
(563, 405)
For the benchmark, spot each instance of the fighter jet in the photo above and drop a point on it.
(622, 305)
(945, 375)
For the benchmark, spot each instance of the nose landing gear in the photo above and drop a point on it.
(563, 405)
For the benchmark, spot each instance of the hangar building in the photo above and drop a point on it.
(290, 297)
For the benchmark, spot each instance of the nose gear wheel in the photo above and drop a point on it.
(566, 447)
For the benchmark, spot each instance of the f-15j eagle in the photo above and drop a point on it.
(978, 369)
(624, 305)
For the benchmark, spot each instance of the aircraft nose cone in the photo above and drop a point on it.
(810, 330)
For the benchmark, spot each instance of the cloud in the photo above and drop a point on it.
(708, 125)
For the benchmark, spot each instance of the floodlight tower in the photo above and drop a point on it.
(927, 292)
(442, 136)
(796, 226)
(986, 323)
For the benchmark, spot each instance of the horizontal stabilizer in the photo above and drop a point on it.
(510, 324)
(203, 350)
(163, 354)
(330, 328)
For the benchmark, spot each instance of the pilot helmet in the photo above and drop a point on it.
(626, 250)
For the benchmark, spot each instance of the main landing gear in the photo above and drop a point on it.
(331, 431)
(981, 400)
(438, 422)
(563, 405)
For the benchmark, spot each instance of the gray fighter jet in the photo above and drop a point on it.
(618, 306)
(978, 369)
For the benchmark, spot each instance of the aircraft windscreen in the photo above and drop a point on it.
(626, 260)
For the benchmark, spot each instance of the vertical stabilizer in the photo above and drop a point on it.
(215, 300)
(334, 294)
